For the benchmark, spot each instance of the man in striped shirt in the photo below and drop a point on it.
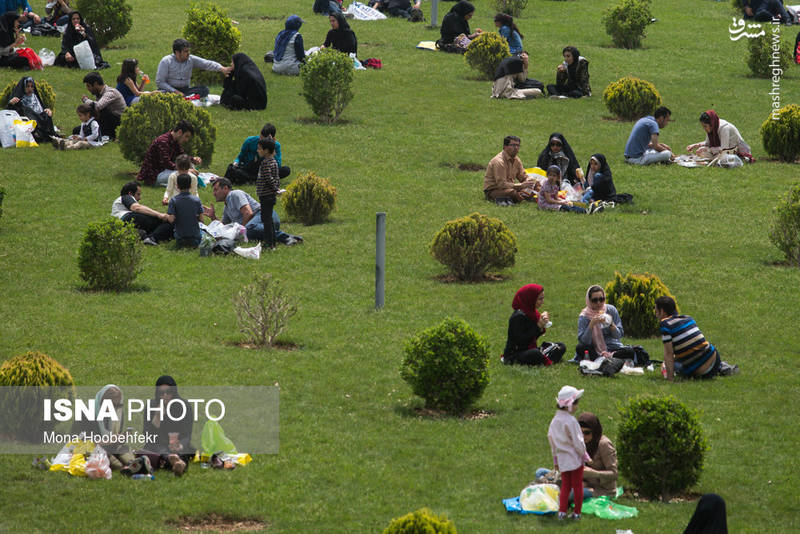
(686, 350)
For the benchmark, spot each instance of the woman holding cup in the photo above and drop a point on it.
(525, 326)
(599, 327)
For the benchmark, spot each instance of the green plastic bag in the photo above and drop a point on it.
(214, 439)
(607, 509)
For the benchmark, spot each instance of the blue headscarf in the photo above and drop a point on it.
(293, 24)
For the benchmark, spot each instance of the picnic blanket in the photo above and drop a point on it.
(427, 45)
(364, 12)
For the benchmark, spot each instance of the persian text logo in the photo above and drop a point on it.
(737, 30)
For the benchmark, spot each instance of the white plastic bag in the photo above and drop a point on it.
(356, 63)
(7, 118)
(23, 133)
(539, 498)
(729, 161)
(252, 253)
(84, 55)
(98, 466)
(234, 231)
(47, 56)
(363, 12)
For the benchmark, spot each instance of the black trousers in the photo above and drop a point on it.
(247, 174)
(156, 228)
(554, 351)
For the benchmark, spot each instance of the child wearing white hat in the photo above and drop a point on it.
(569, 450)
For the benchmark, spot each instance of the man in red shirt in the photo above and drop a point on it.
(159, 161)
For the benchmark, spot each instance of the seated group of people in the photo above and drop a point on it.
(572, 77)
(686, 351)
(288, 53)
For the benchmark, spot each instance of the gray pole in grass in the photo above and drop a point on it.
(434, 13)
(380, 258)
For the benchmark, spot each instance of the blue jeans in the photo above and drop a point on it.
(650, 156)
(255, 228)
(587, 196)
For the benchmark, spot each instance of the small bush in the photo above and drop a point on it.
(309, 199)
(263, 310)
(109, 19)
(661, 446)
(630, 98)
(485, 53)
(213, 36)
(510, 7)
(423, 521)
(110, 254)
(46, 92)
(761, 56)
(327, 78)
(157, 113)
(780, 133)
(472, 245)
(626, 22)
(21, 415)
(635, 298)
(785, 232)
(447, 365)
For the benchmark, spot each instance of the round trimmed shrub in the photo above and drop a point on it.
(309, 199)
(213, 36)
(661, 446)
(510, 7)
(485, 53)
(110, 254)
(780, 133)
(46, 92)
(22, 413)
(634, 296)
(157, 113)
(472, 245)
(630, 98)
(109, 19)
(627, 21)
(785, 232)
(327, 79)
(447, 365)
(423, 521)
(760, 56)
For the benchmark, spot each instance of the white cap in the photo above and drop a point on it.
(568, 395)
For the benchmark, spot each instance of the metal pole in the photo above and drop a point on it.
(434, 14)
(380, 258)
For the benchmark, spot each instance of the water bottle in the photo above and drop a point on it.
(586, 355)
(140, 476)
(664, 369)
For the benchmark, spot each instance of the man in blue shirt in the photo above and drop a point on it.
(643, 147)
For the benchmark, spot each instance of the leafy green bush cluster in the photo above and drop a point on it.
(485, 53)
(327, 78)
(157, 113)
(780, 133)
(761, 56)
(109, 19)
(263, 310)
(472, 245)
(422, 521)
(627, 21)
(309, 199)
(634, 296)
(21, 415)
(213, 36)
(631, 98)
(661, 446)
(447, 365)
(785, 232)
(46, 93)
(110, 255)
(510, 7)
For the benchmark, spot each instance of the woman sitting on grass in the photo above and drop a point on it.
(340, 37)
(172, 449)
(510, 72)
(289, 53)
(508, 29)
(78, 31)
(599, 327)
(559, 153)
(572, 76)
(25, 100)
(126, 82)
(599, 184)
(720, 135)
(11, 38)
(456, 23)
(525, 326)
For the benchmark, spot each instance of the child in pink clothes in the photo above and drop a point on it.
(569, 450)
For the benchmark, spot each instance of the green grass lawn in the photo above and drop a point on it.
(353, 451)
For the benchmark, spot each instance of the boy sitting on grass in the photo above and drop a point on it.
(184, 211)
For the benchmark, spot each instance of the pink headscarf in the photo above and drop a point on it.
(597, 330)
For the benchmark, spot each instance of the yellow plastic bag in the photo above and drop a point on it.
(23, 131)
(77, 465)
(243, 458)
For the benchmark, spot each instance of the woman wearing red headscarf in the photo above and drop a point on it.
(525, 327)
(720, 135)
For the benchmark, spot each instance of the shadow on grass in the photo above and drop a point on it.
(133, 288)
(415, 410)
(488, 277)
(282, 345)
(465, 166)
(319, 122)
(212, 522)
(126, 176)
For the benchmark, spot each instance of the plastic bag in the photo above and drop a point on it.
(34, 61)
(23, 133)
(98, 465)
(539, 498)
(605, 508)
(234, 231)
(84, 55)
(214, 439)
(7, 118)
(47, 56)
(77, 465)
(251, 253)
(729, 161)
(361, 11)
